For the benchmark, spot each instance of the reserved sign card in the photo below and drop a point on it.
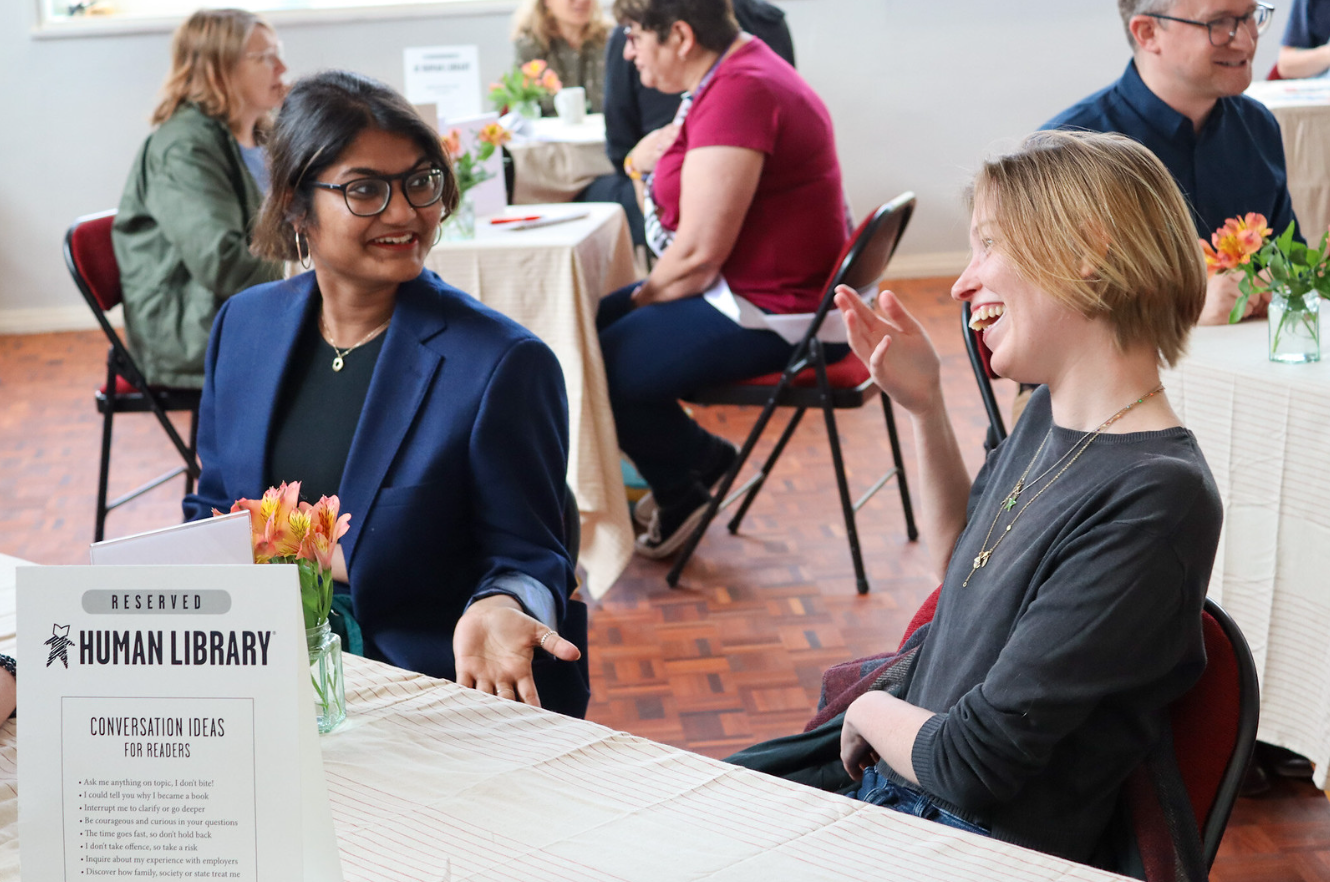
(166, 733)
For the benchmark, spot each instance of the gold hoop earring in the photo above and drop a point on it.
(305, 258)
(438, 233)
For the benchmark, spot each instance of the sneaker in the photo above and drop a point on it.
(645, 508)
(670, 527)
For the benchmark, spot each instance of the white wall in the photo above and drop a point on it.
(919, 90)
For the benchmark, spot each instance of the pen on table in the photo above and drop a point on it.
(516, 220)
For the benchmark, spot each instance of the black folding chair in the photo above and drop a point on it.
(983, 377)
(808, 381)
(91, 261)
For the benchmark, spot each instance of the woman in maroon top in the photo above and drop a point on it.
(743, 187)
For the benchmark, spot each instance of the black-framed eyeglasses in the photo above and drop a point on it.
(366, 197)
(1224, 30)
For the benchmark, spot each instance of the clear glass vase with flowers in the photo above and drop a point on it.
(284, 530)
(521, 89)
(469, 168)
(1295, 275)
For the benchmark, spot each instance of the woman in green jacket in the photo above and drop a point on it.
(181, 236)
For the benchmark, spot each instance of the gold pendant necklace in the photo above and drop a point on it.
(1007, 504)
(339, 357)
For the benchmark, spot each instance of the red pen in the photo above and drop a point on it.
(515, 220)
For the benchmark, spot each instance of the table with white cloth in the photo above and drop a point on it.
(550, 280)
(1264, 429)
(424, 770)
(556, 161)
(1302, 108)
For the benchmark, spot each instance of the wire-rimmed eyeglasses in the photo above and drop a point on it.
(271, 57)
(366, 197)
(1224, 30)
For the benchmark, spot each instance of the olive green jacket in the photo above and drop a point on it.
(181, 238)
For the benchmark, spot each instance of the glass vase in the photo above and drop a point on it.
(461, 224)
(325, 669)
(527, 109)
(1295, 326)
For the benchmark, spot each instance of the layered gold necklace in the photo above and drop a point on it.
(1007, 504)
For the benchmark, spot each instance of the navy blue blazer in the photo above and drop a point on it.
(456, 472)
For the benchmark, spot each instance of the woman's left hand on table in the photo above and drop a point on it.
(494, 643)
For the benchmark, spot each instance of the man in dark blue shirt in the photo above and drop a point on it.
(1181, 96)
(1306, 49)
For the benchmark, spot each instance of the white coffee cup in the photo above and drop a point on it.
(570, 103)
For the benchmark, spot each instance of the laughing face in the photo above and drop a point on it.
(1186, 53)
(386, 249)
(1021, 325)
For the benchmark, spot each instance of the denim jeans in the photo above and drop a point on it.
(877, 790)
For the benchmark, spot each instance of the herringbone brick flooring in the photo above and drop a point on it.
(733, 656)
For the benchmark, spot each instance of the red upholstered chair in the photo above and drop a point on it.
(809, 382)
(91, 261)
(1214, 732)
(1274, 73)
(983, 377)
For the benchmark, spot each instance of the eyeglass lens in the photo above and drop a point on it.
(1225, 30)
(370, 196)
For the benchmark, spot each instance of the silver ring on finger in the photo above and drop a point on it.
(543, 637)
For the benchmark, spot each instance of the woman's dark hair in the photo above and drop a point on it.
(319, 120)
(712, 21)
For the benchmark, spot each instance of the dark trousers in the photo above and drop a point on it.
(660, 353)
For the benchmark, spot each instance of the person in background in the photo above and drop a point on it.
(570, 36)
(1306, 49)
(749, 193)
(634, 111)
(182, 233)
(1181, 96)
(441, 425)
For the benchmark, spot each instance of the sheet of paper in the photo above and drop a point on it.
(445, 76)
(489, 196)
(219, 540)
(169, 732)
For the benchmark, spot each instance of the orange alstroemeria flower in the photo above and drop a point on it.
(550, 82)
(494, 134)
(1235, 242)
(326, 527)
(452, 143)
(270, 519)
(533, 69)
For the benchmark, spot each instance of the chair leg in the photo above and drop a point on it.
(193, 448)
(846, 504)
(672, 577)
(910, 529)
(104, 467)
(767, 466)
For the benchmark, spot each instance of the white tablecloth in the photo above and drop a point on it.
(1265, 431)
(551, 279)
(1303, 110)
(558, 160)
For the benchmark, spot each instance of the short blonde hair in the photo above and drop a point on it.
(1097, 222)
(532, 19)
(204, 52)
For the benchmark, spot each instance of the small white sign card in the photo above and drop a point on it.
(168, 730)
(445, 76)
(489, 196)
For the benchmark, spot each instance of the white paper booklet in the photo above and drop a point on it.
(168, 728)
(221, 540)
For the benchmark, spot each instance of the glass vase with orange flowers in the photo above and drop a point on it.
(284, 530)
(1296, 275)
(522, 89)
(469, 169)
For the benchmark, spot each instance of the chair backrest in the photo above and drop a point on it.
(1274, 73)
(980, 364)
(864, 258)
(91, 260)
(1214, 726)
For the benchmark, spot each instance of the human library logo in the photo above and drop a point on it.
(59, 643)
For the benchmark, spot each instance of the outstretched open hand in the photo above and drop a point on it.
(896, 348)
(494, 643)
